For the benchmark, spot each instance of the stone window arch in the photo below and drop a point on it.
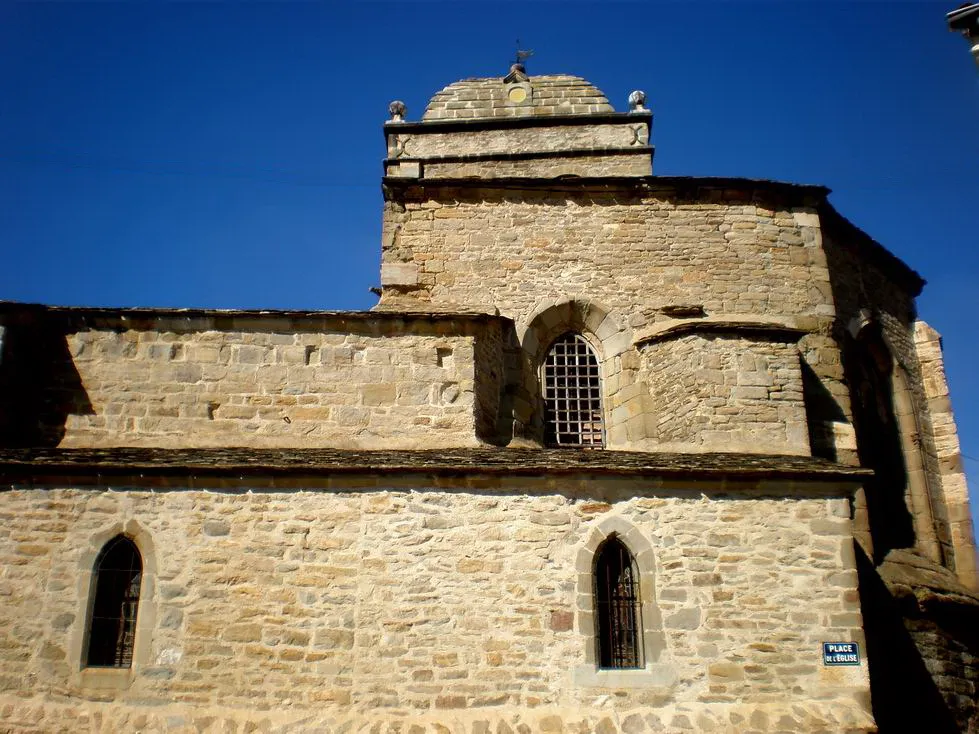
(117, 582)
(91, 558)
(900, 511)
(617, 599)
(572, 392)
(649, 669)
(609, 336)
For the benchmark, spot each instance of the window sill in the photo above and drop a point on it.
(117, 679)
(654, 675)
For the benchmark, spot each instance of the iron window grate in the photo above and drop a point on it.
(118, 576)
(572, 394)
(617, 603)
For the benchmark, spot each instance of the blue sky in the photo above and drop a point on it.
(228, 154)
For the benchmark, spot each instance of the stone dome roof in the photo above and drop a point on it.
(556, 94)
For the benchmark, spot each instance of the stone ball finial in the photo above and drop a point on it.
(398, 110)
(637, 100)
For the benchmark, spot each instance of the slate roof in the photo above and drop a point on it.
(553, 94)
(534, 462)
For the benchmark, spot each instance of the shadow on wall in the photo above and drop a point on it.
(868, 366)
(902, 643)
(39, 385)
(822, 411)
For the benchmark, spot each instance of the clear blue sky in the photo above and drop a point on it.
(228, 155)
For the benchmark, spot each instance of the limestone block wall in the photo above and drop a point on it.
(732, 252)
(618, 147)
(638, 252)
(382, 382)
(549, 167)
(955, 491)
(717, 393)
(427, 141)
(881, 291)
(379, 605)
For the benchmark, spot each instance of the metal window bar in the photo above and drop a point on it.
(112, 633)
(572, 394)
(617, 603)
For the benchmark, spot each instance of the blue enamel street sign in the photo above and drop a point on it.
(841, 653)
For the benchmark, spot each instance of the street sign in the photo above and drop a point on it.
(841, 653)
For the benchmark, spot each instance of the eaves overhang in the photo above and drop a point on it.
(56, 466)
(682, 185)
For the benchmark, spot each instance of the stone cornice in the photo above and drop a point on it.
(509, 123)
(220, 319)
(759, 330)
(684, 185)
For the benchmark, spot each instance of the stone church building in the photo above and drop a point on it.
(614, 452)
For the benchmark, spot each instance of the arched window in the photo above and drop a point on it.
(572, 394)
(617, 607)
(112, 630)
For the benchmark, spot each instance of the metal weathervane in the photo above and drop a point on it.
(523, 54)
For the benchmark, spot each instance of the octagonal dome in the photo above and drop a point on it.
(556, 94)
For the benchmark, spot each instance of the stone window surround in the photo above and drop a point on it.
(608, 336)
(919, 496)
(102, 678)
(656, 672)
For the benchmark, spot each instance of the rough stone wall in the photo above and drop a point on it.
(860, 284)
(725, 394)
(925, 674)
(738, 254)
(426, 609)
(592, 165)
(732, 252)
(954, 489)
(506, 141)
(375, 384)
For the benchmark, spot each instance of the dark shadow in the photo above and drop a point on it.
(495, 377)
(903, 694)
(822, 411)
(509, 385)
(39, 385)
(868, 364)
(906, 637)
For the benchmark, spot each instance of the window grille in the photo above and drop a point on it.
(617, 603)
(112, 633)
(572, 394)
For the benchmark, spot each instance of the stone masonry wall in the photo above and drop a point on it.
(859, 284)
(592, 165)
(955, 491)
(355, 384)
(732, 252)
(723, 394)
(427, 610)
(541, 151)
(432, 143)
(739, 254)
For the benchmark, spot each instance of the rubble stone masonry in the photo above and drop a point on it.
(381, 607)
(354, 382)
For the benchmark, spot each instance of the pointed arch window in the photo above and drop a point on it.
(112, 629)
(572, 394)
(617, 607)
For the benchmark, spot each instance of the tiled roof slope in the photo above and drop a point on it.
(557, 94)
